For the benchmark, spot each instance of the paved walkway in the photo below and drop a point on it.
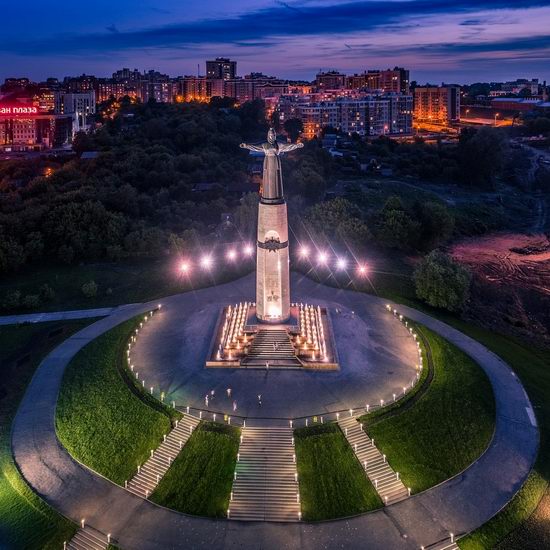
(266, 481)
(376, 465)
(458, 505)
(59, 315)
(377, 356)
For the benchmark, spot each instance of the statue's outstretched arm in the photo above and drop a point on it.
(251, 147)
(285, 147)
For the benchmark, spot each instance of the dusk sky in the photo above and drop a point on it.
(438, 40)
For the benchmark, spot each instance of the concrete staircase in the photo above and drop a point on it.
(385, 480)
(447, 545)
(271, 345)
(87, 539)
(149, 475)
(266, 487)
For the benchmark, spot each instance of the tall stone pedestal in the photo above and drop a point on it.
(272, 263)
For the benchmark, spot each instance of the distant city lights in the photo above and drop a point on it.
(304, 251)
(248, 250)
(341, 263)
(322, 258)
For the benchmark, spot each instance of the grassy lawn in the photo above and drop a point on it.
(101, 420)
(200, 479)
(332, 482)
(26, 521)
(118, 282)
(447, 428)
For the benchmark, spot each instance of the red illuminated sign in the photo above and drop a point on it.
(23, 110)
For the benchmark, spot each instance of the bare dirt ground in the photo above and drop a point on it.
(511, 286)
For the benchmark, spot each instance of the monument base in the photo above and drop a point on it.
(304, 341)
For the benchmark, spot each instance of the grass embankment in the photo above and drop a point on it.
(332, 482)
(200, 479)
(449, 426)
(26, 521)
(101, 420)
(118, 283)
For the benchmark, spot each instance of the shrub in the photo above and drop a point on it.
(47, 293)
(89, 289)
(12, 300)
(442, 282)
(31, 301)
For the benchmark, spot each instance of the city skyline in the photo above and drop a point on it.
(490, 40)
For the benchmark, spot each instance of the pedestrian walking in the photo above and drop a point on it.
(228, 392)
(206, 400)
(259, 399)
(267, 365)
(234, 406)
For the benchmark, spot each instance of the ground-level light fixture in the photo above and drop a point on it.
(231, 255)
(322, 257)
(304, 252)
(248, 250)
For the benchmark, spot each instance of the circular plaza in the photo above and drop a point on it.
(377, 355)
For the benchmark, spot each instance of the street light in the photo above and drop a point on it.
(231, 255)
(496, 116)
(206, 262)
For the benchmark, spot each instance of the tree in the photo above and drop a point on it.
(89, 289)
(82, 142)
(437, 224)
(246, 215)
(481, 155)
(441, 282)
(293, 127)
(396, 228)
(338, 217)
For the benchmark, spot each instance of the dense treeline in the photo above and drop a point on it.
(136, 198)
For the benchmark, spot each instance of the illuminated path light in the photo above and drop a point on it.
(248, 250)
(184, 267)
(231, 255)
(304, 252)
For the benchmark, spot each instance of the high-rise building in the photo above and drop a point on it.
(80, 105)
(368, 115)
(330, 80)
(221, 67)
(437, 104)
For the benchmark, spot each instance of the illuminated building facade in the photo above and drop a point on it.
(369, 115)
(437, 104)
(26, 129)
(80, 105)
(221, 68)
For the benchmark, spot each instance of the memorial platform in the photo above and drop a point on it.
(304, 341)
